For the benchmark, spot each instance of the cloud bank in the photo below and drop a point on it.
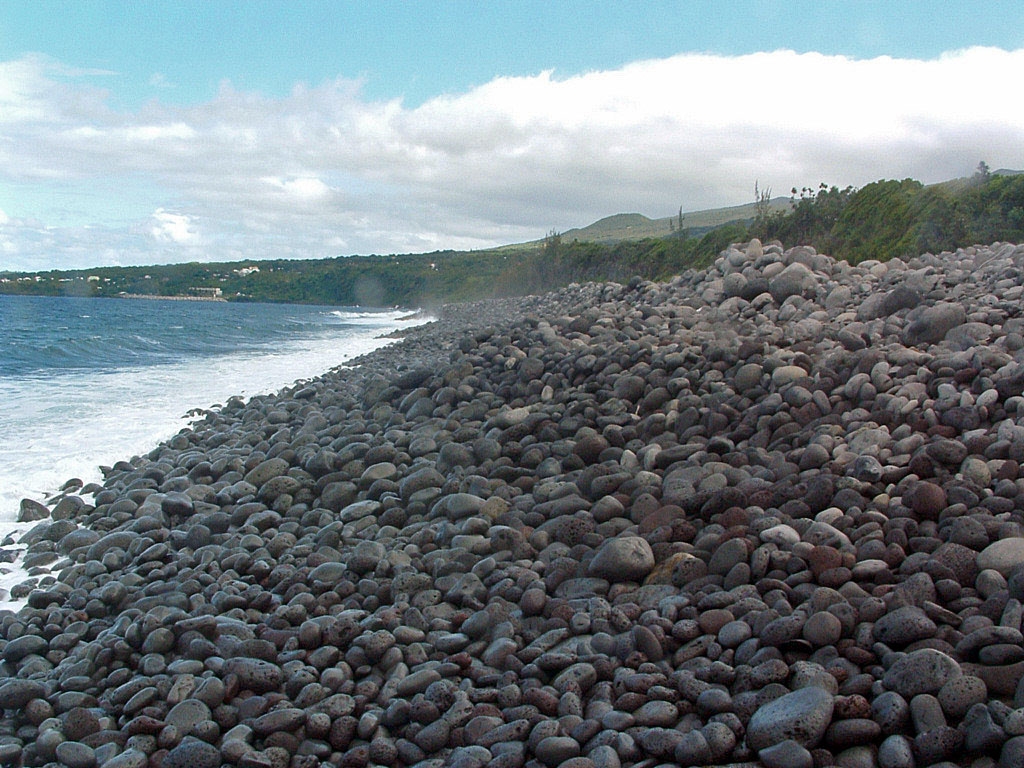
(325, 171)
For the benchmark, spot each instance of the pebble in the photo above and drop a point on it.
(904, 626)
(76, 755)
(896, 752)
(746, 514)
(802, 716)
(627, 558)
(922, 671)
(1002, 556)
(786, 754)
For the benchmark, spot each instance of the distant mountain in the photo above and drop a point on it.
(622, 227)
(634, 226)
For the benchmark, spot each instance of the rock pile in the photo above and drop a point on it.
(770, 511)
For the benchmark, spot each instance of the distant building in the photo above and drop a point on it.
(246, 271)
(93, 278)
(206, 293)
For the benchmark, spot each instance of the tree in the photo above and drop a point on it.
(552, 242)
(762, 202)
(675, 225)
(982, 174)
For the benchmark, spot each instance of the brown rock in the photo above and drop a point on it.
(927, 500)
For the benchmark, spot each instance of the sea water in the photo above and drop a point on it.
(89, 382)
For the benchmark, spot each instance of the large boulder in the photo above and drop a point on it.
(794, 280)
(1003, 555)
(933, 323)
(884, 304)
(626, 558)
(802, 716)
(925, 670)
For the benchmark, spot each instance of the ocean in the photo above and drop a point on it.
(88, 382)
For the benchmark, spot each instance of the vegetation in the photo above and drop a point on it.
(881, 221)
(889, 219)
(407, 280)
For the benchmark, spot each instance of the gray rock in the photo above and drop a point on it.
(922, 671)
(26, 645)
(192, 753)
(186, 714)
(802, 716)
(896, 752)
(933, 323)
(748, 377)
(267, 470)
(556, 750)
(728, 554)
(256, 674)
(626, 558)
(981, 733)
(1003, 555)
(329, 573)
(74, 754)
(786, 754)
(794, 280)
(29, 511)
(130, 758)
(904, 626)
(1012, 754)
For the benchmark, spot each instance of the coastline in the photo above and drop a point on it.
(166, 298)
(142, 429)
(616, 524)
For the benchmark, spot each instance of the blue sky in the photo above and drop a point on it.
(421, 49)
(166, 131)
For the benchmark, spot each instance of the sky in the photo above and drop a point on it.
(160, 132)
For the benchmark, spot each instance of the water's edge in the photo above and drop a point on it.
(397, 324)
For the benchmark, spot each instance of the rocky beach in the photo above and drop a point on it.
(768, 513)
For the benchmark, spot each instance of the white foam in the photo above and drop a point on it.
(67, 425)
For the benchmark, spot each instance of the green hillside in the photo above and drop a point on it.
(635, 226)
(882, 220)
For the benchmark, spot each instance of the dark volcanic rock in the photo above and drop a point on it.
(764, 511)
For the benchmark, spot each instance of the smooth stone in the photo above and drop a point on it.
(787, 374)
(186, 714)
(192, 753)
(959, 694)
(904, 626)
(802, 715)
(922, 671)
(896, 751)
(1003, 555)
(932, 324)
(76, 755)
(626, 558)
(15, 694)
(822, 629)
(26, 645)
(556, 750)
(786, 754)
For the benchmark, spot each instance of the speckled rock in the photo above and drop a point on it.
(802, 716)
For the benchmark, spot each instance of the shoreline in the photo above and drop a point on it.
(12, 573)
(155, 297)
(615, 525)
(166, 298)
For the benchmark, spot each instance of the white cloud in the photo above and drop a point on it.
(325, 168)
(303, 189)
(4, 218)
(157, 132)
(173, 228)
(159, 80)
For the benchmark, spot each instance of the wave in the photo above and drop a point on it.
(64, 421)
